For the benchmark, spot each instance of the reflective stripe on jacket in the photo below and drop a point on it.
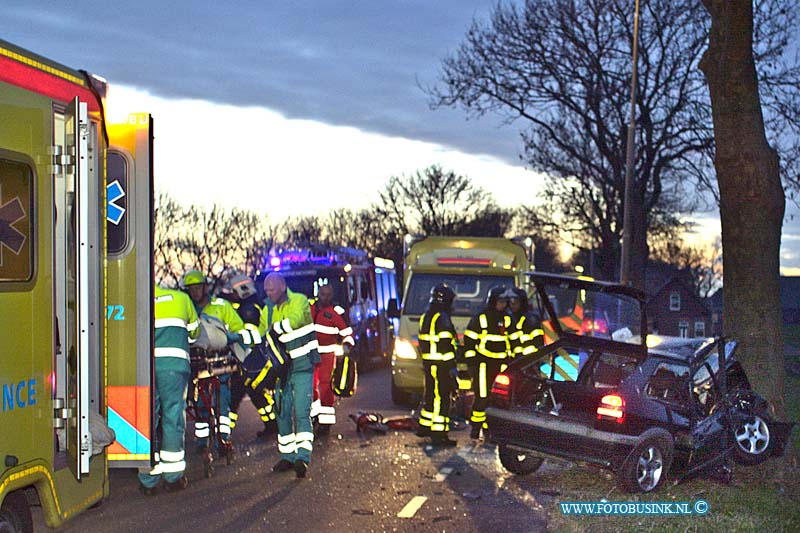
(437, 337)
(176, 323)
(331, 328)
(524, 330)
(291, 320)
(487, 336)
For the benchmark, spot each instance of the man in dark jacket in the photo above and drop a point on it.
(487, 351)
(438, 348)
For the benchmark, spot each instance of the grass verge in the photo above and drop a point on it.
(749, 503)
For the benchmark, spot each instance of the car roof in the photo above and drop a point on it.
(692, 350)
(583, 282)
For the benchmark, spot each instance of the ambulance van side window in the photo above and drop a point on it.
(16, 219)
(117, 193)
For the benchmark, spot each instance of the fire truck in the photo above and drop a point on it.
(468, 265)
(363, 286)
(68, 299)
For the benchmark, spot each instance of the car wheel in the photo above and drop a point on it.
(647, 465)
(518, 461)
(15, 515)
(753, 439)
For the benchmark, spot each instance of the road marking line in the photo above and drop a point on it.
(443, 473)
(412, 507)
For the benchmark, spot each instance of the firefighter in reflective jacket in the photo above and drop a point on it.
(196, 285)
(176, 325)
(244, 298)
(334, 337)
(438, 348)
(288, 314)
(487, 350)
(526, 335)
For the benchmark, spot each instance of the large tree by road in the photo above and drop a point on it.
(563, 68)
(751, 198)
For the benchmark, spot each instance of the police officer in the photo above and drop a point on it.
(195, 283)
(526, 326)
(244, 298)
(487, 350)
(288, 314)
(176, 326)
(438, 348)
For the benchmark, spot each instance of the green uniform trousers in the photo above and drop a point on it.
(172, 381)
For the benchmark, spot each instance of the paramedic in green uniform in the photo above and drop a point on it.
(288, 314)
(176, 325)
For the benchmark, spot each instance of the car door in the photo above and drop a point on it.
(669, 387)
(710, 424)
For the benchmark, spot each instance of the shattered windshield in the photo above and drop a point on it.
(592, 313)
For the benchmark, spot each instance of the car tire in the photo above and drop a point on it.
(518, 462)
(647, 466)
(752, 439)
(15, 514)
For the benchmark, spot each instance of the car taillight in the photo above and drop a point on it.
(611, 406)
(501, 386)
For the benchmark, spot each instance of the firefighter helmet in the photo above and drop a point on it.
(495, 293)
(442, 294)
(242, 286)
(522, 296)
(193, 277)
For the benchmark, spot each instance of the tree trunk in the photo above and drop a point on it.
(752, 201)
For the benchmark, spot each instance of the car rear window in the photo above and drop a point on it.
(609, 370)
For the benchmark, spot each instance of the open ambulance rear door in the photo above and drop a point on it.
(129, 197)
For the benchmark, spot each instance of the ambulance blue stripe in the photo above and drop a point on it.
(127, 435)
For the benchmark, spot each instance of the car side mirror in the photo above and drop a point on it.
(392, 309)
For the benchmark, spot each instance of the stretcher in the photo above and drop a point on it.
(203, 400)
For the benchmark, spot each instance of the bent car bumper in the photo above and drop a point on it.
(557, 437)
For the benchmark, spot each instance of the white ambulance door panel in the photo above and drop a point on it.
(82, 266)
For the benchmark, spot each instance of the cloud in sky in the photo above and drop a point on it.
(339, 62)
(255, 158)
(309, 92)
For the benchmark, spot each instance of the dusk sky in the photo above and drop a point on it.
(291, 107)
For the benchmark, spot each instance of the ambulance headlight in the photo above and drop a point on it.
(403, 349)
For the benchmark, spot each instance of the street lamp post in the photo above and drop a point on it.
(625, 259)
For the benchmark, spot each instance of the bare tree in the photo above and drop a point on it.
(302, 230)
(168, 213)
(356, 229)
(752, 200)
(437, 202)
(563, 68)
(533, 221)
(256, 237)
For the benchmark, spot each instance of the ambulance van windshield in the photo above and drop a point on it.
(471, 291)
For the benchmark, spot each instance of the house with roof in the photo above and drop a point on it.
(672, 308)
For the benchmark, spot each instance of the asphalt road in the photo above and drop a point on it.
(356, 482)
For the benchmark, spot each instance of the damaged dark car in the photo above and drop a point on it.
(604, 392)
